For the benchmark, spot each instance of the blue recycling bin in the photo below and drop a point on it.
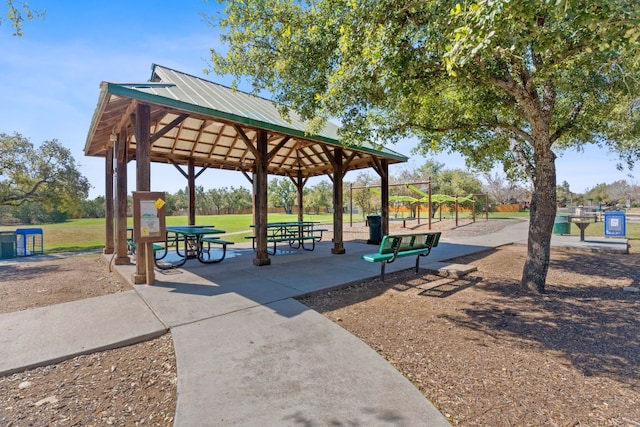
(615, 224)
(29, 241)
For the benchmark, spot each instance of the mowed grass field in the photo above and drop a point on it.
(89, 233)
(86, 234)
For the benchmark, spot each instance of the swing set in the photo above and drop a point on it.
(427, 198)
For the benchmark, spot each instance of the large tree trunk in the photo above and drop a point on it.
(543, 211)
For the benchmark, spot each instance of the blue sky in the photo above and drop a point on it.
(50, 81)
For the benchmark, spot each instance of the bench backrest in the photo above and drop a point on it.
(409, 242)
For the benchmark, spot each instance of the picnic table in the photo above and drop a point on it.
(189, 242)
(295, 233)
(582, 222)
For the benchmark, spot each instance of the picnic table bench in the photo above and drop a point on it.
(209, 241)
(295, 233)
(398, 246)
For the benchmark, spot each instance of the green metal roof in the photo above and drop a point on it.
(205, 117)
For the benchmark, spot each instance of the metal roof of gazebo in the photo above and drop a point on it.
(210, 125)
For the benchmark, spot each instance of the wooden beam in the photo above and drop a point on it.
(125, 118)
(248, 142)
(332, 158)
(177, 166)
(204, 168)
(159, 134)
(246, 175)
(275, 150)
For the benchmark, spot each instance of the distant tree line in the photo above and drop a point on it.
(43, 185)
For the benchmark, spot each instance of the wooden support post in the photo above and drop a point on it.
(192, 191)
(260, 200)
(122, 257)
(473, 209)
(430, 203)
(143, 183)
(338, 177)
(109, 246)
(384, 196)
(150, 276)
(299, 182)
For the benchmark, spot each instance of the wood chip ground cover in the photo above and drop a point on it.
(488, 354)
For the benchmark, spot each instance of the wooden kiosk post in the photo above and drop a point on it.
(148, 227)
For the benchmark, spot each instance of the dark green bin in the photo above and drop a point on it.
(375, 229)
(7, 244)
(561, 225)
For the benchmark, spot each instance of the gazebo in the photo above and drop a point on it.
(193, 123)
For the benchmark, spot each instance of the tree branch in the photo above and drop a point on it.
(570, 122)
(18, 199)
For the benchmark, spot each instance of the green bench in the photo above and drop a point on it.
(131, 247)
(209, 241)
(398, 246)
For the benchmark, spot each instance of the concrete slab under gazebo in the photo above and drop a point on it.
(193, 123)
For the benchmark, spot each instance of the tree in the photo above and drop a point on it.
(216, 196)
(16, 14)
(47, 174)
(598, 194)
(239, 198)
(93, 208)
(362, 197)
(563, 194)
(621, 191)
(497, 81)
(319, 197)
(282, 194)
(502, 189)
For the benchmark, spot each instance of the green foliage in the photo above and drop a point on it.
(318, 198)
(282, 194)
(47, 175)
(93, 208)
(362, 197)
(477, 77)
(16, 14)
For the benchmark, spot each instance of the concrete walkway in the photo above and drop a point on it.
(247, 352)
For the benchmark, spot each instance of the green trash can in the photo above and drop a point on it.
(561, 225)
(375, 229)
(7, 244)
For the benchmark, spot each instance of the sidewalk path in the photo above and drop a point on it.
(247, 352)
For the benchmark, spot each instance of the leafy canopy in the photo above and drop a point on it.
(47, 174)
(494, 80)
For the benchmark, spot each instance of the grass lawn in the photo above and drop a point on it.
(85, 234)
